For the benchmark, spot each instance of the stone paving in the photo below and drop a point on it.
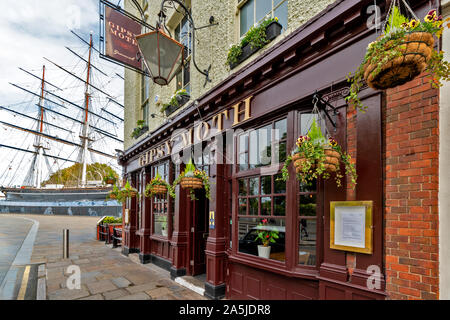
(106, 274)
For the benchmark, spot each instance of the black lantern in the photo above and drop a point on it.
(163, 56)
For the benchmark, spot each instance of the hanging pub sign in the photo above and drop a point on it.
(118, 31)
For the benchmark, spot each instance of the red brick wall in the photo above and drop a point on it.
(411, 133)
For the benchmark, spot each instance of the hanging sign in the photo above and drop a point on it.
(120, 32)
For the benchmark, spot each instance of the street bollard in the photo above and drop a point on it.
(65, 243)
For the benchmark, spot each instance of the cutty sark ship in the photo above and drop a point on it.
(63, 132)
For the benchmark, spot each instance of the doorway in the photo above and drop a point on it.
(199, 233)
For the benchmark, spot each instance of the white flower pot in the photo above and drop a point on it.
(264, 251)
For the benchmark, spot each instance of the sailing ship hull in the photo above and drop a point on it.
(73, 201)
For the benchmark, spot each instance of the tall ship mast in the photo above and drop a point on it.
(64, 131)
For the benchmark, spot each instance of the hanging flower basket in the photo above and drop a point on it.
(318, 157)
(127, 191)
(414, 52)
(401, 53)
(193, 179)
(158, 186)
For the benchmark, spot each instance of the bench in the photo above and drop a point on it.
(117, 237)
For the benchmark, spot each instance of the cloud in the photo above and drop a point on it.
(33, 29)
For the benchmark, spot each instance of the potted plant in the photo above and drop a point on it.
(178, 99)
(193, 179)
(401, 53)
(158, 186)
(255, 38)
(115, 194)
(106, 226)
(140, 129)
(127, 192)
(315, 156)
(267, 234)
(110, 178)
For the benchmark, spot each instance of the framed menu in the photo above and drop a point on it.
(351, 226)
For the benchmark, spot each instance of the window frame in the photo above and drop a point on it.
(186, 67)
(242, 3)
(162, 200)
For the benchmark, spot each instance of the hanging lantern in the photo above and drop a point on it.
(163, 56)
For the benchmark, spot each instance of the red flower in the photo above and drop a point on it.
(267, 236)
(264, 221)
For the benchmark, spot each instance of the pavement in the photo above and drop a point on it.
(104, 273)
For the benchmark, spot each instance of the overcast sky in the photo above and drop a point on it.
(31, 30)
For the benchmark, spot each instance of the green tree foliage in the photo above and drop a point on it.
(71, 176)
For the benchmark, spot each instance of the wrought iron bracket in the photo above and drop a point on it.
(322, 105)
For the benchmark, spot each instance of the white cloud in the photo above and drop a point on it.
(33, 29)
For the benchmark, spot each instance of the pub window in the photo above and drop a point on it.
(307, 205)
(255, 146)
(160, 203)
(259, 198)
(183, 35)
(253, 12)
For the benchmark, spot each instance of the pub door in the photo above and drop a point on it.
(199, 233)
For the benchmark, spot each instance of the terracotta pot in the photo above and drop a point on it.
(416, 49)
(191, 182)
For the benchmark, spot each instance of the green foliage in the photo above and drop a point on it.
(70, 177)
(174, 99)
(141, 126)
(255, 36)
(128, 191)
(191, 172)
(157, 180)
(388, 47)
(266, 235)
(111, 220)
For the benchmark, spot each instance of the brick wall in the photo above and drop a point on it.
(411, 133)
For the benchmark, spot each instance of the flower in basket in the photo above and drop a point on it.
(128, 191)
(111, 178)
(158, 186)
(401, 53)
(192, 178)
(115, 194)
(265, 234)
(317, 157)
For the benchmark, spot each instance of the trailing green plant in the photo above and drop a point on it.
(111, 178)
(255, 36)
(311, 148)
(174, 99)
(128, 191)
(115, 194)
(192, 172)
(390, 45)
(141, 126)
(266, 235)
(158, 181)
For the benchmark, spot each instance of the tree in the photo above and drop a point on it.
(70, 177)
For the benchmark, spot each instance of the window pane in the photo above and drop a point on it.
(308, 205)
(243, 206)
(280, 152)
(266, 206)
(248, 231)
(243, 143)
(310, 186)
(187, 74)
(243, 161)
(282, 14)
(246, 17)
(253, 186)
(242, 187)
(253, 152)
(253, 206)
(160, 223)
(263, 8)
(279, 184)
(307, 243)
(280, 130)
(266, 185)
(306, 120)
(265, 139)
(279, 206)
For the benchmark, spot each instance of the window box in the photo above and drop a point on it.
(182, 100)
(139, 130)
(272, 31)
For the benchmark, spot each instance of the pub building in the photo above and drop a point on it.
(240, 133)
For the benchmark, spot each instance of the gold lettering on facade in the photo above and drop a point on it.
(217, 120)
(238, 112)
